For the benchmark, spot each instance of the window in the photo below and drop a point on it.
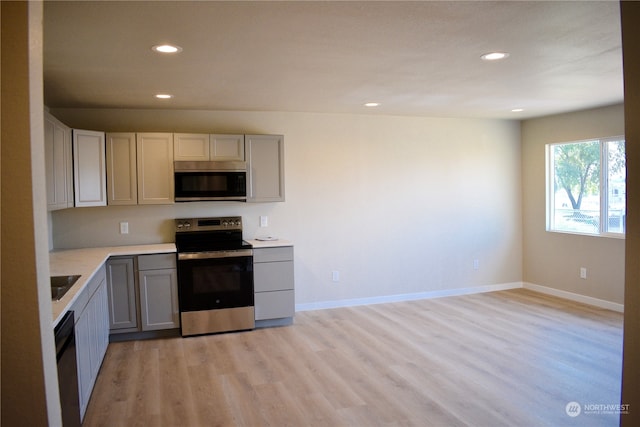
(586, 184)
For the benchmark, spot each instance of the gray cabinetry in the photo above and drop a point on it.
(89, 173)
(154, 156)
(122, 294)
(58, 163)
(265, 168)
(143, 293)
(158, 281)
(139, 168)
(273, 283)
(204, 147)
(91, 333)
(122, 175)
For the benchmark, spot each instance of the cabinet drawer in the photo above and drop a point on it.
(284, 253)
(274, 305)
(273, 276)
(89, 289)
(156, 261)
(80, 303)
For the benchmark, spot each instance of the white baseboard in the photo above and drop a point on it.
(575, 297)
(462, 291)
(405, 297)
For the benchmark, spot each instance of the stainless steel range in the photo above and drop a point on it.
(215, 276)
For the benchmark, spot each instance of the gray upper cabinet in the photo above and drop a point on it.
(139, 168)
(226, 147)
(89, 168)
(191, 146)
(58, 163)
(122, 179)
(265, 168)
(205, 147)
(154, 152)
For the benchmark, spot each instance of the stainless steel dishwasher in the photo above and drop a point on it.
(67, 370)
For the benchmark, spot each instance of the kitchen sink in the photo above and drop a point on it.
(61, 284)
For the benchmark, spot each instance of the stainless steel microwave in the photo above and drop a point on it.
(209, 181)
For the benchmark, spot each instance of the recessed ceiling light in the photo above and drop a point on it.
(372, 104)
(517, 110)
(166, 48)
(164, 96)
(494, 56)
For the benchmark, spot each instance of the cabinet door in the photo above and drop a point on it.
(92, 339)
(191, 146)
(121, 293)
(122, 182)
(89, 174)
(227, 147)
(155, 168)
(102, 320)
(58, 164)
(159, 299)
(83, 357)
(265, 168)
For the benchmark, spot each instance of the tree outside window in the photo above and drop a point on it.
(586, 186)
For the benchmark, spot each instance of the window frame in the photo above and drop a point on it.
(603, 227)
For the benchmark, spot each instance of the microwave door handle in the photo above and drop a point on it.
(249, 183)
(248, 155)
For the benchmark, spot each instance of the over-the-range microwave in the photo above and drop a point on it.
(210, 180)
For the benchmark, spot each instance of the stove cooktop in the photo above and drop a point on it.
(210, 234)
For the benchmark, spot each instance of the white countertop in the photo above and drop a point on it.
(86, 262)
(269, 243)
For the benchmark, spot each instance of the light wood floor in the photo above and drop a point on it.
(510, 358)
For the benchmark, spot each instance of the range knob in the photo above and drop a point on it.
(225, 224)
(238, 223)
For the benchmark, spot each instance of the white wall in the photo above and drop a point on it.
(554, 259)
(396, 204)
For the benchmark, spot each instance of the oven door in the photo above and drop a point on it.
(215, 280)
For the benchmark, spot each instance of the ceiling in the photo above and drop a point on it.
(414, 58)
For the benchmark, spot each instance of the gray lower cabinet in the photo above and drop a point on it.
(143, 293)
(273, 282)
(91, 333)
(123, 305)
(158, 281)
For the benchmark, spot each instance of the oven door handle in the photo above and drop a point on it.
(215, 254)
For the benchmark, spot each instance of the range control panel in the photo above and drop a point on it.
(209, 224)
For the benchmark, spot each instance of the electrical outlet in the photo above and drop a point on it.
(124, 228)
(583, 273)
(476, 264)
(335, 275)
(264, 221)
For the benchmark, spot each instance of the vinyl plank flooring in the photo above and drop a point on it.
(497, 359)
